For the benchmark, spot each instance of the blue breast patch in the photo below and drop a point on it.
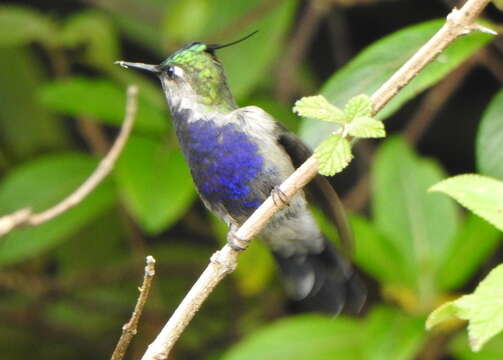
(224, 162)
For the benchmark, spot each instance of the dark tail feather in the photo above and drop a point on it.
(323, 282)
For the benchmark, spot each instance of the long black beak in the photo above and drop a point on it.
(146, 67)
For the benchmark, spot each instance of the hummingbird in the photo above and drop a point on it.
(238, 156)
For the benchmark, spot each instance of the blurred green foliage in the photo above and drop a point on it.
(66, 287)
(372, 67)
(482, 310)
(489, 139)
(319, 338)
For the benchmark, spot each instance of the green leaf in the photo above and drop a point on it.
(138, 29)
(318, 107)
(475, 242)
(256, 269)
(274, 20)
(482, 195)
(375, 64)
(26, 126)
(420, 226)
(384, 335)
(492, 350)
(21, 25)
(104, 240)
(375, 254)
(490, 138)
(392, 335)
(358, 106)
(40, 184)
(185, 20)
(483, 309)
(154, 182)
(498, 4)
(248, 64)
(333, 154)
(93, 30)
(301, 337)
(443, 313)
(103, 101)
(366, 127)
(227, 16)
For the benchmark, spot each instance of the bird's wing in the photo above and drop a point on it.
(319, 190)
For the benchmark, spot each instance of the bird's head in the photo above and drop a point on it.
(193, 73)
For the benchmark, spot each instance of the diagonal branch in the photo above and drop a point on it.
(25, 217)
(130, 328)
(459, 22)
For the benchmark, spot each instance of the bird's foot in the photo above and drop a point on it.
(236, 242)
(279, 197)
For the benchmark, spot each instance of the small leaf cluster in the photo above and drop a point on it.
(483, 195)
(356, 120)
(482, 309)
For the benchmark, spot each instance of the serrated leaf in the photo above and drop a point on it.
(366, 127)
(374, 65)
(482, 195)
(483, 309)
(358, 106)
(489, 139)
(333, 154)
(22, 25)
(443, 313)
(318, 107)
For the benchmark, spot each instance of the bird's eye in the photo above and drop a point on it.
(173, 72)
(170, 71)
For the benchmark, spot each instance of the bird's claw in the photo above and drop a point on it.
(279, 197)
(235, 242)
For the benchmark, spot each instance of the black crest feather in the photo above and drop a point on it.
(212, 47)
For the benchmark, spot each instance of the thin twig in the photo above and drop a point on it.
(130, 328)
(25, 217)
(14, 220)
(459, 22)
(93, 135)
(430, 106)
